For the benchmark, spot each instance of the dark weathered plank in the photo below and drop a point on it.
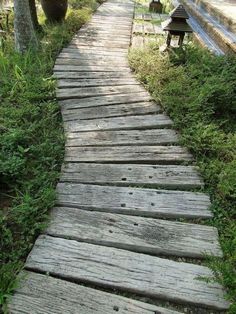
(62, 83)
(128, 154)
(124, 270)
(105, 100)
(135, 201)
(150, 121)
(111, 111)
(167, 176)
(81, 92)
(145, 235)
(127, 137)
(92, 75)
(42, 294)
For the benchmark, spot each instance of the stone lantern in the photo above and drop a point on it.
(156, 6)
(177, 25)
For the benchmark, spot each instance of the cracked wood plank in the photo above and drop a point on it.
(128, 154)
(134, 201)
(164, 176)
(127, 271)
(149, 121)
(43, 294)
(138, 234)
(127, 137)
(142, 108)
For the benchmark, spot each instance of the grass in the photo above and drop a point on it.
(31, 143)
(198, 91)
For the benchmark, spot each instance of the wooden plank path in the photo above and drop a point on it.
(114, 237)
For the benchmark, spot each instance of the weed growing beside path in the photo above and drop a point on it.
(198, 91)
(31, 143)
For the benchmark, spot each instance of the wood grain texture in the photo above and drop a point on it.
(150, 121)
(138, 234)
(128, 154)
(42, 294)
(75, 82)
(124, 270)
(87, 68)
(167, 176)
(105, 100)
(123, 110)
(81, 62)
(127, 137)
(134, 201)
(81, 92)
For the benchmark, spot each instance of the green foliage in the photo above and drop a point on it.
(31, 143)
(198, 90)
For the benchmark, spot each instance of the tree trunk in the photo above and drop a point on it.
(34, 16)
(25, 36)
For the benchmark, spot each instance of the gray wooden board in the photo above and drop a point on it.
(127, 137)
(88, 68)
(110, 111)
(168, 176)
(129, 154)
(101, 48)
(62, 83)
(138, 234)
(43, 294)
(92, 75)
(97, 52)
(127, 271)
(90, 56)
(104, 100)
(134, 201)
(80, 62)
(149, 121)
(81, 92)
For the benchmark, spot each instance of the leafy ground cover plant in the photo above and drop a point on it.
(198, 91)
(31, 143)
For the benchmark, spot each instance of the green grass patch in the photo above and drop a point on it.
(198, 91)
(31, 143)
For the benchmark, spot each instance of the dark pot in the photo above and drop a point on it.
(55, 10)
(156, 6)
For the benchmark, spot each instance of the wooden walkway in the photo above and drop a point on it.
(115, 242)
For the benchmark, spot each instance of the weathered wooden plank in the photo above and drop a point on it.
(92, 48)
(110, 111)
(81, 92)
(121, 123)
(88, 68)
(80, 62)
(138, 234)
(62, 83)
(127, 271)
(167, 176)
(134, 201)
(92, 75)
(127, 137)
(98, 51)
(105, 100)
(128, 154)
(90, 56)
(43, 294)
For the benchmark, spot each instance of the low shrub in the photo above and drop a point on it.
(198, 91)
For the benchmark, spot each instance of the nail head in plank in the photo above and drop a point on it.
(134, 201)
(167, 176)
(138, 234)
(43, 294)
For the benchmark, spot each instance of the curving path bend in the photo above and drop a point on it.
(115, 234)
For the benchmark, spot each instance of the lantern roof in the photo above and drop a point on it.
(179, 12)
(176, 25)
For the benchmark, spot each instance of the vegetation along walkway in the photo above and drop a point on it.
(124, 236)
